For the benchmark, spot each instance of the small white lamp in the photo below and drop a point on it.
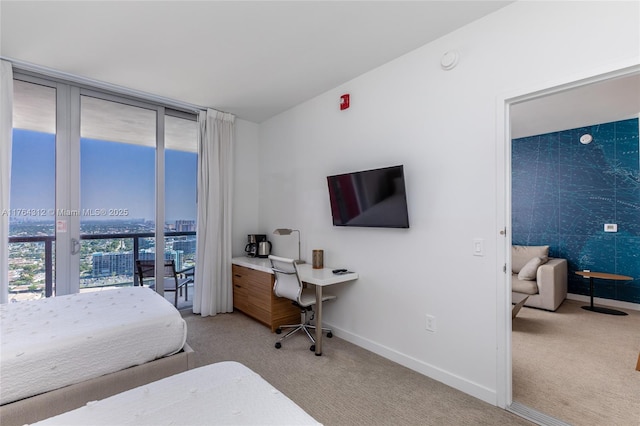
(287, 231)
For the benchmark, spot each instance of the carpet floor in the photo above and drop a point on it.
(577, 365)
(347, 385)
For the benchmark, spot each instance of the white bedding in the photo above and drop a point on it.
(58, 341)
(225, 393)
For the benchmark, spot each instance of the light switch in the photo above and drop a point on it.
(478, 247)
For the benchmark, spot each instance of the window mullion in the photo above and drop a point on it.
(160, 197)
(67, 189)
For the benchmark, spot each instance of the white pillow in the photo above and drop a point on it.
(530, 270)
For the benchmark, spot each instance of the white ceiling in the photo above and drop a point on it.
(595, 103)
(254, 59)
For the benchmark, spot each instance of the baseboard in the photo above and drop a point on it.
(605, 302)
(477, 391)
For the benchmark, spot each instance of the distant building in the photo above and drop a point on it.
(110, 264)
(185, 225)
(188, 247)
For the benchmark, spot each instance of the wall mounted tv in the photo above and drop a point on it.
(369, 198)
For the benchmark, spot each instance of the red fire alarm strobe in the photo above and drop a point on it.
(344, 102)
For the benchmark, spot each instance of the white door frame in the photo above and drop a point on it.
(504, 391)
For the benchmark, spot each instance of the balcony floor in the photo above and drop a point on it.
(182, 304)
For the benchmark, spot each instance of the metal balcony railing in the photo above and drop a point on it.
(48, 241)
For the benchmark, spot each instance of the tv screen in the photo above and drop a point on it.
(374, 198)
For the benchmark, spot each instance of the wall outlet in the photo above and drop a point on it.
(431, 323)
(610, 227)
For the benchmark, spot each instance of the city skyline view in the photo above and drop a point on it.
(117, 180)
(117, 197)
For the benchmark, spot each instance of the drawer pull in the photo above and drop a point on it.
(237, 285)
(237, 275)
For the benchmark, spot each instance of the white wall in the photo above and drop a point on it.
(245, 184)
(442, 126)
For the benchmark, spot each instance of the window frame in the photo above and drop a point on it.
(67, 136)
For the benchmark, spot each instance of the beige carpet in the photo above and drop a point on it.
(578, 366)
(347, 385)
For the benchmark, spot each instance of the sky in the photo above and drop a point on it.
(113, 175)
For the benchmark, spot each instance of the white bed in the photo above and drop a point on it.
(57, 342)
(225, 393)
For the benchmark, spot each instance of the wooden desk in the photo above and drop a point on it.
(604, 276)
(253, 292)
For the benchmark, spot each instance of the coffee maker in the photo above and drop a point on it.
(253, 242)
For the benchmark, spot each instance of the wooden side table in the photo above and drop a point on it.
(604, 276)
(517, 300)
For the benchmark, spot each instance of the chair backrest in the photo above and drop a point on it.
(147, 269)
(287, 282)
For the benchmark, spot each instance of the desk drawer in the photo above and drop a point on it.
(253, 295)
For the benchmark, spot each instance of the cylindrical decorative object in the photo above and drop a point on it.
(318, 259)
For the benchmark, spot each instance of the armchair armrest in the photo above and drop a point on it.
(552, 282)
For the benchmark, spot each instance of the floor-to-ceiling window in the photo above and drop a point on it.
(121, 172)
(117, 190)
(32, 213)
(180, 165)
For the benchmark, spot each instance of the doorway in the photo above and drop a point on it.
(599, 98)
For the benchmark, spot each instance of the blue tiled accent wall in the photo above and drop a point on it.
(563, 192)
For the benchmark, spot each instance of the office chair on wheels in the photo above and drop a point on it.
(288, 285)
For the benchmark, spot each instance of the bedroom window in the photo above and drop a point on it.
(181, 165)
(118, 173)
(117, 190)
(32, 199)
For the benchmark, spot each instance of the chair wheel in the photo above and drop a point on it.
(329, 335)
(278, 330)
(312, 348)
(278, 345)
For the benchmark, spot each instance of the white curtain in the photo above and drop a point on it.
(6, 120)
(213, 289)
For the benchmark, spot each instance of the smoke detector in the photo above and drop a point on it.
(449, 60)
(586, 139)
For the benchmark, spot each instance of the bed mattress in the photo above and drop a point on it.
(54, 342)
(225, 393)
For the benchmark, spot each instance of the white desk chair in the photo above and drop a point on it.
(288, 285)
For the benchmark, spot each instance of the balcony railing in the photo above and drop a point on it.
(48, 241)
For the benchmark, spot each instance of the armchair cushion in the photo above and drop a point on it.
(520, 255)
(524, 286)
(529, 271)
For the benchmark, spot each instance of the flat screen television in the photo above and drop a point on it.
(369, 198)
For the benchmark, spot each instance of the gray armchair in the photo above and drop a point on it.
(542, 278)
